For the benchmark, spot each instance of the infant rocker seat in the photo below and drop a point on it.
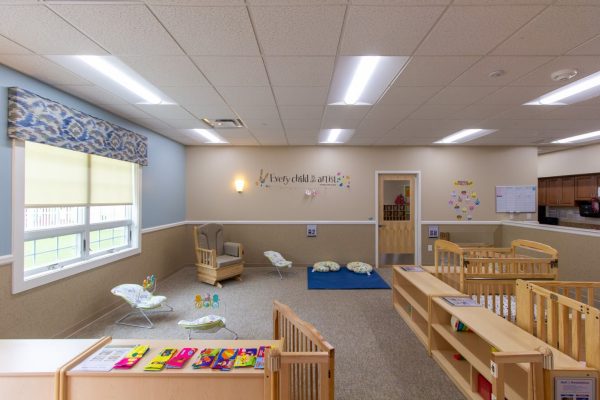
(142, 301)
(209, 324)
(278, 261)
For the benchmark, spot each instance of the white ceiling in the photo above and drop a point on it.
(270, 63)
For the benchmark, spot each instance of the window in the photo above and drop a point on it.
(77, 211)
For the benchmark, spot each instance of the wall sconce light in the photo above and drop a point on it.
(239, 185)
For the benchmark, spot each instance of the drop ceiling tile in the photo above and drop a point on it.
(245, 141)
(433, 71)
(436, 111)
(303, 132)
(573, 113)
(217, 31)
(390, 140)
(257, 112)
(408, 95)
(541, 76)
(303, 140)
(386, 30)
(263, 124)
(301, 96)
(302, 30)
(473, 30)
(132, 113)
(589, 48)
(380, 111)
(9, 47)
(346, 112)
(300, 71)
(340, 123)
(525, 112)
(500, 2)
(512, 67)
(554, 32)
(247, 95)
(190, 123)
(233, 71)
(401, 2)
(42, 69)
(272, 141)
(93, 94)
(167, 70)
(514, 95)
(361, 141)
(108, 25)
(300, 112)
(375, 126)
(165, 111)
(196, 2)
(42, 31)
(293, 2)
(234, 133)
(193, 95)
(267, 133)
(431, 128)
(211, 111)
(301, 124)
(480, 111)
(461, 94)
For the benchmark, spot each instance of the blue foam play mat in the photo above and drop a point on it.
(344, 279)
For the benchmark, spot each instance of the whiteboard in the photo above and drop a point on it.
(516, 199)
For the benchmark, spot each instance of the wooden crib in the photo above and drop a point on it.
(571, 321)
(489, 274)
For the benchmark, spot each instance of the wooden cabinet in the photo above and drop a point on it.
(559, 191)
(586, 187)
(541, 192)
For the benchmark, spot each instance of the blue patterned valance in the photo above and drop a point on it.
(36, 119)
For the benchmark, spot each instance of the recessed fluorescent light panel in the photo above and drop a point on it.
(335, 136)
(583, 89)
(110, 73)
(363, 80)
(210, 137)
(465, 135)
(586, 137)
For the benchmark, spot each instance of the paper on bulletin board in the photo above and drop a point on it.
(574, 388)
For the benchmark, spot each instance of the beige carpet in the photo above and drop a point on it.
(377, 355)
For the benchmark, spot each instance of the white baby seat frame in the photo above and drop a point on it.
(278, 261)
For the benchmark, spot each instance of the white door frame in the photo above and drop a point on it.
(416, 214)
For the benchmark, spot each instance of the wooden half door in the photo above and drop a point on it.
(396, 218)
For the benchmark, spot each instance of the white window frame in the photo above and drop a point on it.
(20, 282)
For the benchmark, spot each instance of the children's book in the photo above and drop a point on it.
(260, 357)
(206, 358)
(132, 357)
(104, 359)
(160, 360)
(245, 358)
(225, 359)
(180, 359)
(458, 301)
(412, 268)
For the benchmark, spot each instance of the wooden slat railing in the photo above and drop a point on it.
(307, 364)
(547, 311)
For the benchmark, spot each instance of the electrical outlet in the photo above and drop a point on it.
(311, 230)
(429, 247)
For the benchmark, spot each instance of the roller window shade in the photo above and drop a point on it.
(55, 176)
(112, 181)
(60, 177)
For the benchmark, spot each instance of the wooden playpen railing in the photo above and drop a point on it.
(304, 370)
(563, 314)
(492, 271)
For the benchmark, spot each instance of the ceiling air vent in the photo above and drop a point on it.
(224, 123)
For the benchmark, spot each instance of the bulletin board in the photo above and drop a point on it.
(516, 199)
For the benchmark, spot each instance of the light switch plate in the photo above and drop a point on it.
(311, 230)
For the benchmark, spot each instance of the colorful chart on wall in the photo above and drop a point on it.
(463, 199)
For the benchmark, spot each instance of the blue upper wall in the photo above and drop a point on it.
(163, 180)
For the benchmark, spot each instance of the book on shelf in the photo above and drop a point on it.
(158, 362)
(245, 358)
(458, 301)
(412, 268)
(260, 357)
(180, 359)
(206, 358)
(104, 359)
(225, 359)
(132, 357)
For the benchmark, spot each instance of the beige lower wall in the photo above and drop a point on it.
(463, 233)
(342, 243)
(578, 255)
(56, 309)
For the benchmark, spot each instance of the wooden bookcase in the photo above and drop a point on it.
(412, 293)
(489, 333)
